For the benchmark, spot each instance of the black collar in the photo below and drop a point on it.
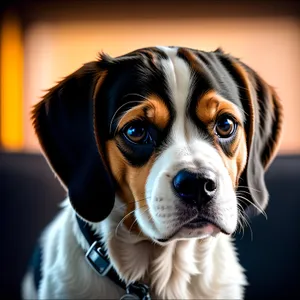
(99, 261)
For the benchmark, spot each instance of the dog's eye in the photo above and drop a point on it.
(137, 133)
(225, 126)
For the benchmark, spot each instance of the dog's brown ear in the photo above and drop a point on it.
(64, 123)
(263, 126)
(265, 117)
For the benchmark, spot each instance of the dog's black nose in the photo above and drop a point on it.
(195, 187)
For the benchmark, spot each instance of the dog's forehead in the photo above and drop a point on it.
(178, 76)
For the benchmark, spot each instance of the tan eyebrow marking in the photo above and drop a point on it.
(211, 104)
(154, 109)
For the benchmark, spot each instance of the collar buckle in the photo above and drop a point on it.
(97, 259)
(135, 291)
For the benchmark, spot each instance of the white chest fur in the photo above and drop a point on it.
(186, 269)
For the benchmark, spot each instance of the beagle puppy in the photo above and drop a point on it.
(162, 152)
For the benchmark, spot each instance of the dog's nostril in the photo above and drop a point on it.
(210, 186)
(195, 187)
(185, 184)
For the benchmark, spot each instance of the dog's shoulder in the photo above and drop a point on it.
(64, 270)
(47, 257)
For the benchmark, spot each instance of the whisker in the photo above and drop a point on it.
(149, 219)
(122, 220)
(135, 94)
(241, 198)
(255, 200)
(135, 201)
(136, 220)
(113, 117)
(242, 193)
(127, 215)
(256, 206)
(247, 223)
(130, 228)
(250, 188)
(244, 221)
(240, 223)
(132, 202)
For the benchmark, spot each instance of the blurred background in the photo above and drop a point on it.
(43, 41)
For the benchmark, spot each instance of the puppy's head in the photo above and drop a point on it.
(183, 137)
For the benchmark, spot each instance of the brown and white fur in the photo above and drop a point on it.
(144, 225)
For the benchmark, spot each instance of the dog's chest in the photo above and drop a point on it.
(186, 269)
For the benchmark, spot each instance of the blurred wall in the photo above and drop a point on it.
(59, 39)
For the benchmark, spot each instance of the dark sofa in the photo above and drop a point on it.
(30, 197)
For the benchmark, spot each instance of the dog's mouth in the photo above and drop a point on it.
(200, 222)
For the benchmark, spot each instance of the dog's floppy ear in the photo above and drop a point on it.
(263, 127)
(64, 123)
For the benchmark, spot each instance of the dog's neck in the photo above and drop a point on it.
(169, 270)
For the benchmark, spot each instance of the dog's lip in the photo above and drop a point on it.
(163, 240)
(201, 221)
(168, 238)
(197, 222)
